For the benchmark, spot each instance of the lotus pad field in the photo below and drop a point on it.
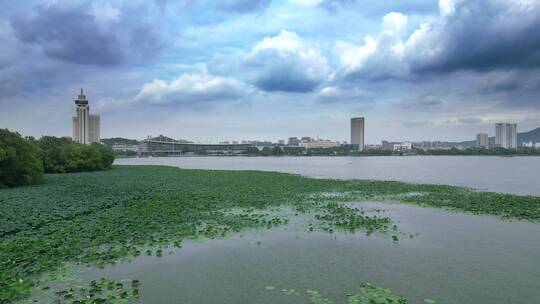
(103, 217)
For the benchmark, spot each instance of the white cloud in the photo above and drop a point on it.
(447, 7)
(337, 94)
(286, 63)
(190, 88)
(285, 42)
(380, 56)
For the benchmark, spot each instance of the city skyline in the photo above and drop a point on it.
(199, 69)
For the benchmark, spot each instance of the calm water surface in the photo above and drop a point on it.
(456, 258)
(520, 175)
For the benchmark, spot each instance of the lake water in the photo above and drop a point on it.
(456, 258)
(519, 175)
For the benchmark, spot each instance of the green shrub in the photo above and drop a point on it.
(20, 162)
(60, 155)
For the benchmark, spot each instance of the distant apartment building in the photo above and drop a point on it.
(397, 146)
(293, 141)
(432, 145)
(506, 135)
(405, 146)
(86, 127)
(125, 147)
(388, 145)
(482, 140)
(319, 144)
(357, 132)
(372, 147)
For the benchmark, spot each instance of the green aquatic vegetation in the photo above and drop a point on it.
(98, 218)
(507, 206)
(366, 294)
(97, 291)
(371, 294)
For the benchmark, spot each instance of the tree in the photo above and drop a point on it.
(277, 151)
(266, 151)
(62, 155)
(252, 151)
(20, 161)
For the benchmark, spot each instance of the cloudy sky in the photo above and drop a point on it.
(211, 70)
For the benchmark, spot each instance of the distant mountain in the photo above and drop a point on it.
(533, 135)
(119, 140)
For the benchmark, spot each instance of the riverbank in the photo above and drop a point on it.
(99, 218)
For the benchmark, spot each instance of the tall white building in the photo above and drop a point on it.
(357, 132)
(85, 125)
(506, 135)
(482, 140)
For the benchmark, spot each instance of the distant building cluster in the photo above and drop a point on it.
(310, 143)
(86, 130)
(505, 137)
(86, 126)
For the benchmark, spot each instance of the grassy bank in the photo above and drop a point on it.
(101, 217)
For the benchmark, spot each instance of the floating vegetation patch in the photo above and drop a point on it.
(97, 291)
(101, 218)
(366, 294)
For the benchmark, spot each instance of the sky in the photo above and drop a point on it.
(214, 70)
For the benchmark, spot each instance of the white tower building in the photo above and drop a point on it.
(506, 135)
(85, 126)
(357, 132)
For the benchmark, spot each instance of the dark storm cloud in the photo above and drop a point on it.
(71, 33)
(242, 6)
(483, 35)
(500, 82)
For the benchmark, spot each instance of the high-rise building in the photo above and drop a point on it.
(357, 132)
(506, 135)
(85, 125)
(482, 140)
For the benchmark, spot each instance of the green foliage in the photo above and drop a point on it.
(252, 151)
(60, 155)
(371, 294)
(102, 217)
(97, 291)
(20, 162)
(277, 151)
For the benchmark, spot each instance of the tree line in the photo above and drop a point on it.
(23, 161)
